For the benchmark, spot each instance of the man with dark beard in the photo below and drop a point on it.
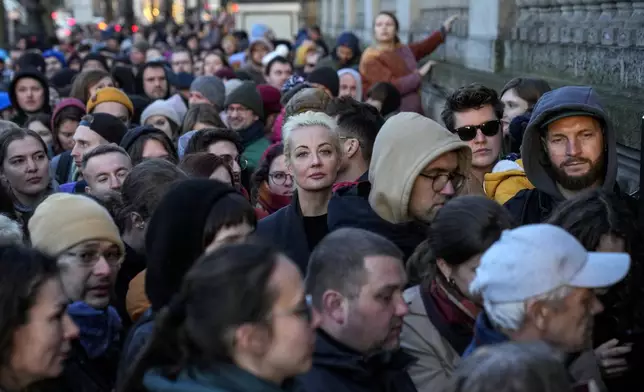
(569, 146)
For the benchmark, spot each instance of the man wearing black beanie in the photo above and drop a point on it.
(94, 130)
(245, 115)
(327, 79)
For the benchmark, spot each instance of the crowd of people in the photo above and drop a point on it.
(216, 210)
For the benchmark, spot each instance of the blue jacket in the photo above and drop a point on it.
(222, 378)
(484, 334)
(349, 207)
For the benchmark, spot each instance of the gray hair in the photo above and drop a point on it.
(10, 232)
(337, 263)
(512, 367)
(510, 316)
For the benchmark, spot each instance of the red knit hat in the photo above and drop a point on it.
(270, 98)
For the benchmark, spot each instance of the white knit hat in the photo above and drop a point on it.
(160, 107)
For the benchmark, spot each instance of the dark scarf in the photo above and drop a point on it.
(454, 311)
(251, 134)
(99, 328)
(270, 201)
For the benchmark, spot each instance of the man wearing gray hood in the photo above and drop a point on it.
(569, 146)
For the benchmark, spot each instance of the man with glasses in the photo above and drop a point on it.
(473, 113)
(245, 115)
(416, 167)
(82, 236)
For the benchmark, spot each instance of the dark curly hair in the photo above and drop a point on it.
(263, 169)
(474, 96)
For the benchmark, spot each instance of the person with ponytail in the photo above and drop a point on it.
(260, 336)
(440, 322)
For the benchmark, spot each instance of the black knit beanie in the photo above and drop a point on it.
(327, 77)
(107, 126)
(174, 240)
(246, 95)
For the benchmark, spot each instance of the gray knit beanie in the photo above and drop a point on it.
(212, 88)
(246, 95)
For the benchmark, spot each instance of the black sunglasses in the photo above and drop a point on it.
(468, 132)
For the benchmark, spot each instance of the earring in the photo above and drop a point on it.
(451, 282)
(140, 226)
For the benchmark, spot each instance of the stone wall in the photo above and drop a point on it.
(592, 42)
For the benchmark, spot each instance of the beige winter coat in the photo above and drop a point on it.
(436, 357)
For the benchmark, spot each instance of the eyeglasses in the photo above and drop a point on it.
(304, 310)
(468, 132)
(89, 258)
(228, 160)
(280, 178)
(439, 181)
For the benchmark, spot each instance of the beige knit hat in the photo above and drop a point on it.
(64, 220)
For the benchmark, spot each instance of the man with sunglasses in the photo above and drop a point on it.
(356, 280)
(416, 167)
(473, 113)
(568, 146)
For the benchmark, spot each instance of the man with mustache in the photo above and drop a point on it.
(355, 280)
(569, 146)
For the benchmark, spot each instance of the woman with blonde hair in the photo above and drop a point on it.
(313, 154)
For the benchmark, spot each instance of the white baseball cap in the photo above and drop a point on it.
(534, 259)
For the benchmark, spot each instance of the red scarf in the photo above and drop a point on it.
(269, 201)
(452, 304)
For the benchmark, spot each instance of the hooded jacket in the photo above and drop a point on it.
(405, 145)
(535, 205)
(139, 78)
(21, 117)
(352, 42)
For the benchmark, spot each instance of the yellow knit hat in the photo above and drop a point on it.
(110, 94)
(64, 220)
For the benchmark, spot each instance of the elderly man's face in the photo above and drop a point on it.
(568, 324)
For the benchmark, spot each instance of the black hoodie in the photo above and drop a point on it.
(139, 78)
(21, 117)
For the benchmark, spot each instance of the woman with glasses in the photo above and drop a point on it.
(86, 243)
(272, 182)
(312, 152)
(441, 316)
(258, 339)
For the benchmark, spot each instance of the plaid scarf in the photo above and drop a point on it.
(457, 310)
